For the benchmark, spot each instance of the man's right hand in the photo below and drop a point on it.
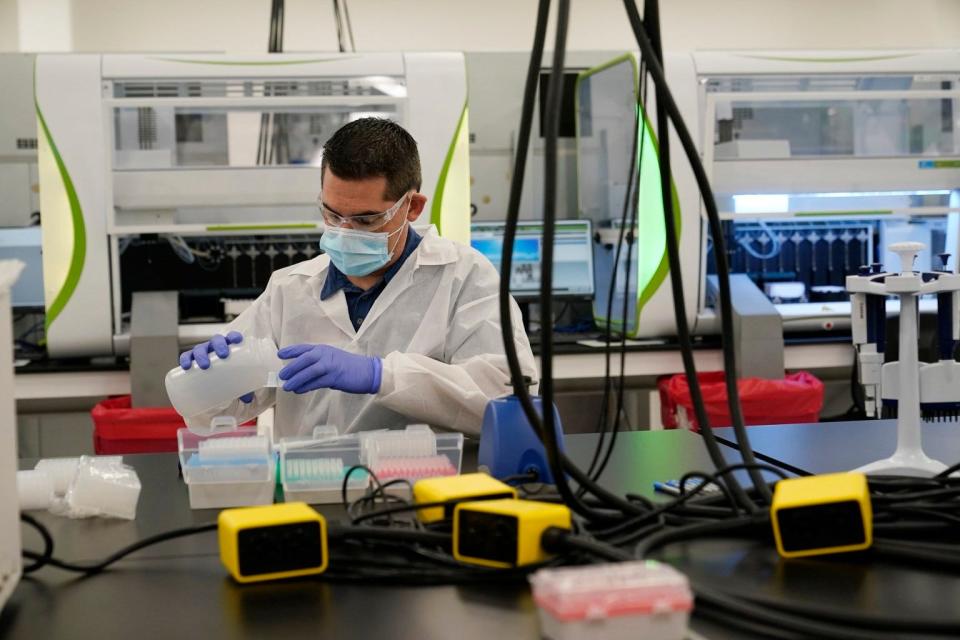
(217, 344)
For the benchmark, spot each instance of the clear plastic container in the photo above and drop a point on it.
(411, 454)
(230, 467)
(62, 470)
(312, 469)
(103, 489)
(618, 601)
(253, 364)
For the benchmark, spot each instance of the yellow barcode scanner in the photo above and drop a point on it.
(818, 515)
(272, 542)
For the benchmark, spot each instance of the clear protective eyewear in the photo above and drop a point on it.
(362, 222)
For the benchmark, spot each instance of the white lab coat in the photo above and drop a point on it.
(436, 325)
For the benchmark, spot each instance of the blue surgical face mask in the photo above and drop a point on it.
(357, 253)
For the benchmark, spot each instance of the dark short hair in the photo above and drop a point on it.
(374, 147)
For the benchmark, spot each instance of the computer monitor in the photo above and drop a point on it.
(572, 256)
(24, 244)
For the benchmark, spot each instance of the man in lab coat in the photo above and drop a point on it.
(388, 327)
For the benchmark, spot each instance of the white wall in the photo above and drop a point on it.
(45, 25)
(505, 25)
(9, 31)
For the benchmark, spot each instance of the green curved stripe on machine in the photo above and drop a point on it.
(651, 272)
(437, 207)
(828, 60)
(251, 63)
(79, 252)
(653, 201)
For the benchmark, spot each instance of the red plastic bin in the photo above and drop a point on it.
(797, 398)
(119, 428)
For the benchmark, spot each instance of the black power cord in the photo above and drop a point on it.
(43, 558)
(506, 322)
(46, 559)
(631, 203)
(671, 111)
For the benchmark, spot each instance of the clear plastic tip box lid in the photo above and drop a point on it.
(229, 468)
(644, 599)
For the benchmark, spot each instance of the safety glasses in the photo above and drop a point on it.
(363, 222)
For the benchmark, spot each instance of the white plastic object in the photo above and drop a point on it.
(62, 470)
(252, 365)
(900, 380)
(620, 601)
(99, 489)
(35, 489)
(907, 251)
(227, 468)
(230, 448)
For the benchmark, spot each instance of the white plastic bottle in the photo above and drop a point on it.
(253, 364)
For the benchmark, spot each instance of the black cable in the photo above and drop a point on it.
(707, 479)
(862, 620)
(338, 21)
(743, 524)
(280, 24)
(513, 204)
(603, 421)
(47, 554)
(786, 466)
(666, 101)
(948, 471)
(551, 133)
(390, 535)
(97, 567)
(370, 498)
(781, 619)
(552, 129)
(346, 15)
(631, 202)
(346, 478)
(684, 497)
(415, 507)
(557, 540)
(506, 323)
(673, 253)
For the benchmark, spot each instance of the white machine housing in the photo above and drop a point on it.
(18, 142)
(885, 149)
(606, 114)
(11, 564)
(187, 145)
(886, 157)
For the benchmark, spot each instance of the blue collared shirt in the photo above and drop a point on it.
(359, 302)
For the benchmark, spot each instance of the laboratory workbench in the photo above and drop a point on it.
(179, 588)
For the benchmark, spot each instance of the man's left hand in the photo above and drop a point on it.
(320, 366)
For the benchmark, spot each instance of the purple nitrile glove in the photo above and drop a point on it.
(320, 366)
(218, 344)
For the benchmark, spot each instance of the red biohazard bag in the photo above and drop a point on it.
(797, 398)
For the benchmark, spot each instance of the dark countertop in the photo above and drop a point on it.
(179, 588)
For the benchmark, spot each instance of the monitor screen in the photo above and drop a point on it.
(24, 244)
(572, 256)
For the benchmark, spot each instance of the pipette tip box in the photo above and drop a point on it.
(619, 601)
(312, 470)
(411, 454)
(232, 468)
